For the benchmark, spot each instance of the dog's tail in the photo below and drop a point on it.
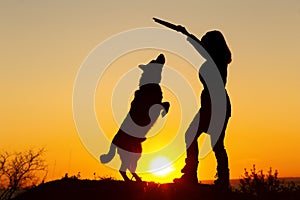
(105, 158)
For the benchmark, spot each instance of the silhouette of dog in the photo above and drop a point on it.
(145, 109)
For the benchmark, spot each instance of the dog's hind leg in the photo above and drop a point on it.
(123, 172)
(133, 166)
(124, 164)
(125, 177)
(137, 178)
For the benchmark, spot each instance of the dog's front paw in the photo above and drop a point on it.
(166, 106)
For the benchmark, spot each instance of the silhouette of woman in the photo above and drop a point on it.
(215, 45)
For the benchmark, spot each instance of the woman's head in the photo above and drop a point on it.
(214, 43)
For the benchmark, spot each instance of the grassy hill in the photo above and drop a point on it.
(112, 189)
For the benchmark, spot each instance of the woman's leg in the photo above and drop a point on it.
(191, 162)
(222, 159)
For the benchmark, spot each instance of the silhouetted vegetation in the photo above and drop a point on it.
(256, 182)
(257, 185)
(75, 177)
(19, 170)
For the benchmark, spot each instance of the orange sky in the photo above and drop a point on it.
(43, 45)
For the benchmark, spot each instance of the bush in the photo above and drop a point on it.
(257, 183)
(266, 186)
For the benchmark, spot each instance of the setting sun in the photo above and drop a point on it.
(161, 166)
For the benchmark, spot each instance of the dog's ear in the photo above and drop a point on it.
(160, 59)
(142, 67)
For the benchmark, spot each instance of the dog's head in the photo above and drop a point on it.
(152, 71)
(157, 63)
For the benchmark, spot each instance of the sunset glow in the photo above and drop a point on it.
(45, 43)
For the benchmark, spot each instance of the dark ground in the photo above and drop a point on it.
(111, 189)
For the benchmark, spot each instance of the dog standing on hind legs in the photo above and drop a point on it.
(145, 109)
